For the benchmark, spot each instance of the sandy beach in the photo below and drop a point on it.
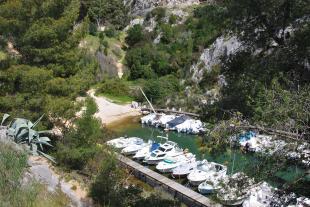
(109, 112)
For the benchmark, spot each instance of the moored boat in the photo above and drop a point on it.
(234, 190)
(132, 149)
(120, 143)
(205, 170)
(145, 151)
(184, 169)
(168, 164)
(168, 149)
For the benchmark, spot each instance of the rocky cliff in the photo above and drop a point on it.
(143, 6)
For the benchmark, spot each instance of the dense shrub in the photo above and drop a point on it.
(135, 35)
(80, 141)
(116, 87)
(109, 187)
(160, 89)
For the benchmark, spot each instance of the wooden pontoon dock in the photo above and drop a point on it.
(178, 191)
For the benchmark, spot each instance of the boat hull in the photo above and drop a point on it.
(205, 189)
(129, 152)
(195, 182)
(152, 162)
(166, 170)
(178, 176)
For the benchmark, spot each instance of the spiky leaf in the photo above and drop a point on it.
(5, 117)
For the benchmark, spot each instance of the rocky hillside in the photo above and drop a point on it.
(143, 6)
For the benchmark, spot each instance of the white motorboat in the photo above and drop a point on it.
(191, 126)
(168, 149)
(122, 142)
(132, 149)
(234, 190)
(205, 170)
(145, 151)
(156, 120)
(116, 141)
(148, 118)
(171, 125)
(165, 119)
(184, 169)
(211, 183)
(168, 164)
(261, 195)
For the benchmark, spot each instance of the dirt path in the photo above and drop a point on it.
(110, 112)
(42, 171)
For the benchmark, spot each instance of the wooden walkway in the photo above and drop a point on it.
(184, 194)
(171, 111)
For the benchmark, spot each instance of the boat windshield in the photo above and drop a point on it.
(162, 149)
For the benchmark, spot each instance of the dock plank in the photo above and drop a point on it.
(162, 180)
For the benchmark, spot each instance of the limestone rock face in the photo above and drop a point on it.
(142, 6)
(211, 56)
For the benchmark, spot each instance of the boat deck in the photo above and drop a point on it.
(184, 194)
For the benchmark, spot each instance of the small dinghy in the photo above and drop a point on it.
(145, 151)
(205, 170)
(234, 190)
(184, 169)
(168, 164)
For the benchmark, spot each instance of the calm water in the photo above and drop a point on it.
(233, 158)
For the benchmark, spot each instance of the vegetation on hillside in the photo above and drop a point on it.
(15, 190)
(48, 59)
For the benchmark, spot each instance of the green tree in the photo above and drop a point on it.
(43, 32)
(135, 35)
(105, 12)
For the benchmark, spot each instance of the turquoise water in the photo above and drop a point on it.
(232, 158)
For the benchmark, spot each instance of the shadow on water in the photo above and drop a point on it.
(234, 159)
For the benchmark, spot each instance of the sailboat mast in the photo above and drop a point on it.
(148, 100)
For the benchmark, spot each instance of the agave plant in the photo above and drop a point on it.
(22, 132)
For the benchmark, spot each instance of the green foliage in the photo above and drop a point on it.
(111, 32)
(114, 86)
(25, 79)
(173, 19)
(139, 60)
(106, 12)
(158, 13)
(179, 45)
(46, 36)
(79, 144)
(267, 21)
(13, 165)
(210, 78)
(156, 200)
(117, 90)
(135, 35)
(108, 188)
(159, 89)
(168, 33)
(283, 109)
